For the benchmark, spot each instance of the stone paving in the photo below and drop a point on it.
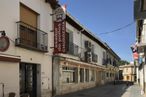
(109, 90)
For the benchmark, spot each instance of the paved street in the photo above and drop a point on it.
(108, 91)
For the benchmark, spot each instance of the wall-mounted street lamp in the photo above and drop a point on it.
(3, 33)
(4, 41)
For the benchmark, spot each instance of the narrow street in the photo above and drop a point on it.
(108, 91)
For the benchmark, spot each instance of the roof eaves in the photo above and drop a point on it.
(86, 30)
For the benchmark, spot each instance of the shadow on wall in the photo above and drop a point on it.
(109, 90)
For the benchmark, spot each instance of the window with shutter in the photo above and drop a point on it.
(28, 34)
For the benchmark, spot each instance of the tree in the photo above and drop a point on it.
(123, 62)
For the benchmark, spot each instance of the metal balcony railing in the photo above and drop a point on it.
(73, 49)
(31, 38)
(104, 62)
(94, 57)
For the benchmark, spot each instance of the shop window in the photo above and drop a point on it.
(110, 74)
(70, 74)
(92, 75)
(81, 74)
(107, 74)
(127, 77)
(87, 75)
(102, 75)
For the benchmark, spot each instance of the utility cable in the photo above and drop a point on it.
(118, 29)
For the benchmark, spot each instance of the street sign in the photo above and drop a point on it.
(59, 30)
(135, 55)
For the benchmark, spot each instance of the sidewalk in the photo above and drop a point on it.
(133, 91)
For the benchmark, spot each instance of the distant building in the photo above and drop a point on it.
(127, 72)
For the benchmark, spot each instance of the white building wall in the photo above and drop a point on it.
(76, 34)
(144, 33)
(141, 77)
(9, 75)
(10, 14)
(79, 39)
(98, 49)
(142, 72)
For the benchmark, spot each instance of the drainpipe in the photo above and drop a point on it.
(81, 39)
(144, 69)
(144, 77)
(135, 70)
(3, 95)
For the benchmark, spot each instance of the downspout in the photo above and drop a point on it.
(3, 93)
(52, 77)
(144, 69)
(81, 41)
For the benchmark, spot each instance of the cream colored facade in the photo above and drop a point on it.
(22, 67)
(72, 72)
(9, 70)
(128, 72)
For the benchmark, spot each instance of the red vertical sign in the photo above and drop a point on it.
(59, 31)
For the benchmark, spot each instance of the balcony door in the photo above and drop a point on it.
(69, 42)
(28, 31)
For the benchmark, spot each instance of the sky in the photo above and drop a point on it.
(100, 16)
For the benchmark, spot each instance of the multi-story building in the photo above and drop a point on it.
(88, 61)
(128, 72)
(26, 66)
(140, 18)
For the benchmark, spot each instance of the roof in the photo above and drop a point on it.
(75, 23)
(112, 52)
(84, 30)
(127, 65)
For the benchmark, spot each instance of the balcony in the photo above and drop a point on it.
(73, 49)
(31, 38)
(94, 57)
(104, 62)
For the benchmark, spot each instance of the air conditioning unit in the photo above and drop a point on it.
(94, 57)
(88, 44)
(43, 48)
(81, 56)
(17, 41)
(88, 56)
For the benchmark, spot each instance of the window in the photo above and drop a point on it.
(127, 77)
(67, 41)
(92, 48)
(103, 55)
(110, 74)
(28, 16)
(92, 75)
(71, 48)
(102, 75)
(107, 74)
(87, 75)
(81, 74)
(143, 5)
(28, 31)
(126, 69)
(70, 74)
